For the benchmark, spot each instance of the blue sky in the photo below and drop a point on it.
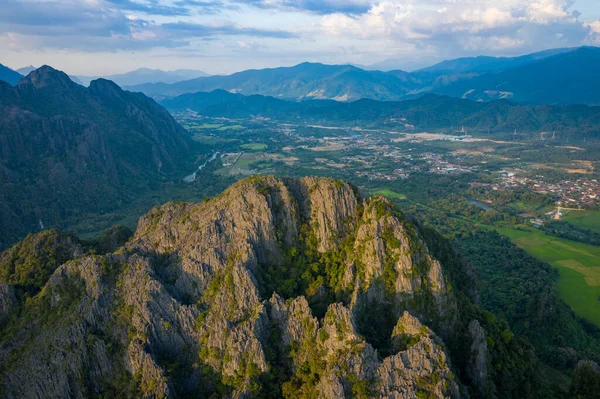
(98, 37)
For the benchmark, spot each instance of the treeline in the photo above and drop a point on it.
(572, 232)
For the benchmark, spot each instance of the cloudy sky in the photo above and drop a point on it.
(99, 37)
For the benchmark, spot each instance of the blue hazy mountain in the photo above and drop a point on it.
(146, 75)
(488, 64)
(26, 70)
(567, 78)
(9, 76)
(300, 82)
(537, 78)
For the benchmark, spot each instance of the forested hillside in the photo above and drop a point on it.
(67, 151)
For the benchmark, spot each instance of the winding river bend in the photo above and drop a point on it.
(192, 177)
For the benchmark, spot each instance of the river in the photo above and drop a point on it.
(192, 177)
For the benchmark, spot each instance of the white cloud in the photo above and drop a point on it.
(594, 33)
(594, 26)
(462, 25)
(548, 11)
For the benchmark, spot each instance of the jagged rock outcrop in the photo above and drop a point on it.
(421, 365)
(151, 379)
(295, 287)
(336, 356)
(7, 300)
(344, 364)
(478, 361)
(61, 340)
(392, 260)
(294, 319)
(332, 207)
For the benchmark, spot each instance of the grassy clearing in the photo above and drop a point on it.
(244, 163)
(586, 219)
(210, 126)
(211, 140)
(255, 146)
(524, 207)
(390, 194)
(230, 127)
(578, 264)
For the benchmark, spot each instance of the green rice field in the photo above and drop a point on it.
(255, 146)
(586, 219)
(391, 194)
(578, 264)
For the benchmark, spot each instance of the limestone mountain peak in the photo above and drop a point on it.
(290, 287)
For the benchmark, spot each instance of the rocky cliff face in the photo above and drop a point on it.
(294, 288)
(7, 301)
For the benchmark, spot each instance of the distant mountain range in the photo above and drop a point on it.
(68, 150)
(145, 75)
(427, 112)
(9, 76)
(395, 64)
(26, 70)
(558, 76)
(471, 64)
(561, 76)
(304, 81)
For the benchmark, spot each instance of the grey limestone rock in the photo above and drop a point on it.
(182, 306)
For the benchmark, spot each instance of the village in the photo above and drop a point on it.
(580, 193)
